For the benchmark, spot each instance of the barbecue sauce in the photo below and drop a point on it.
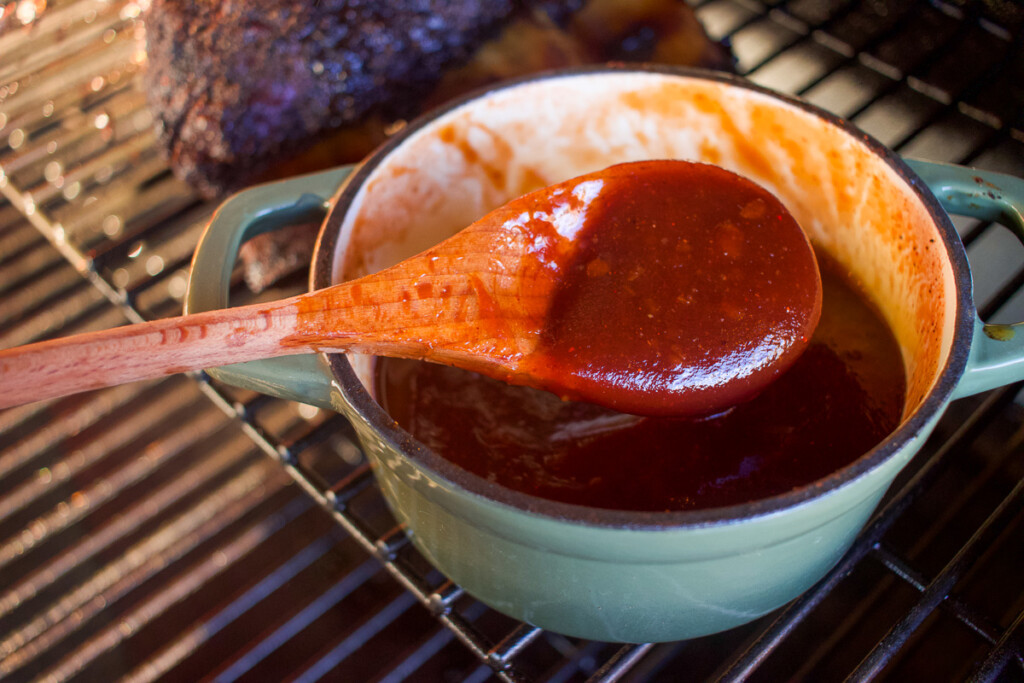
(687, 289)
(841, 397)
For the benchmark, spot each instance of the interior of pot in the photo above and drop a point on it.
(852, 203)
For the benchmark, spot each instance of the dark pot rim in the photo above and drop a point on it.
(442, 469)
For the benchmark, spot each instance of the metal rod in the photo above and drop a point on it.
(937, 590)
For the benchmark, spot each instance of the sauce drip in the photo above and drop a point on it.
(688, 288)
(841, 397)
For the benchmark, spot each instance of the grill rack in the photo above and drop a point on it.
(78, 168)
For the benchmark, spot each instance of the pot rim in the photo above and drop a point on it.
(436, 466)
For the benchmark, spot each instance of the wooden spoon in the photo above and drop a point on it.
(661, 287)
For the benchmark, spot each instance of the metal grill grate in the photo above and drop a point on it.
(144, 535)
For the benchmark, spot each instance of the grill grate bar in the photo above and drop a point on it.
(895, 82)
(248, 409)
(328, 429)
(898, 76)
(349, 487)
(39, 295)
(128, 216)
(15, 418)
(158, 453)
(82, 309)
(479, 675)
(133, 164)
(1009, 648)
(429, 648)
(772, 636)
(27, 265)
(75, 135)
(513, 643)
(619, 664)
(977, 622)
(73, 422)
(53, 137)
(86, 78)
(137, 565)
(142, 271)
(582, 659)
(820, 36)
(201, 633)
(348, 583)
(51, 24)
(358, 639)
(72, 254)
(16, 599)
(444, 596)
(116, 251)
(939, 588)
(103, 446)
(316, 480)
(12, 223)
(1003, 296)
(248, 496)
(754, 12)
(763, 20)
(15, 242)
(387, 546)
(36, 56)
(463, 629)
(111, 160)
(975, 232)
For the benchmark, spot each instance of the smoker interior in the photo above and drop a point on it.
(183, 530)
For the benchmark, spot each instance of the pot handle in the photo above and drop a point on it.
(997, 351)
(249, 213)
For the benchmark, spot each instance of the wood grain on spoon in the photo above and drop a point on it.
(660, 287)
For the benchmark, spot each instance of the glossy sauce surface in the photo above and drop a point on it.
(841, 397)
(688, 289)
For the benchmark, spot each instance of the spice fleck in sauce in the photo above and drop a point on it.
(842, 396)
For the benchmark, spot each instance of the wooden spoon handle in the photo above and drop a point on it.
(134, 352)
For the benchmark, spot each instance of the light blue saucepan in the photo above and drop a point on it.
(613, 575)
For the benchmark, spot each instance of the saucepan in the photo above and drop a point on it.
(619, 575)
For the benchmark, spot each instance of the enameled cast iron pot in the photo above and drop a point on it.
(613, 575)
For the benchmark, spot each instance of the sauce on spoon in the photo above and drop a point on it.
(688, 288)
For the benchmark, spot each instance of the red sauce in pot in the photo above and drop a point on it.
(840, 398)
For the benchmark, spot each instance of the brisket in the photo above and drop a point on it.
(245, 91)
